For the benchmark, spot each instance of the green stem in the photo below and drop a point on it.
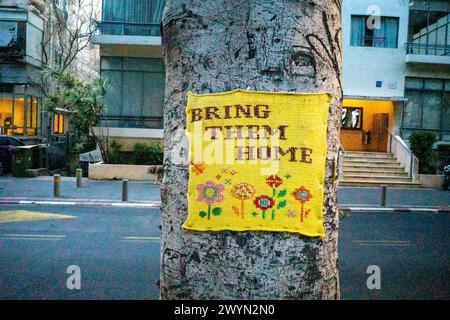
(264, 214)
(209, 212)
(273, 214)
(274, 192)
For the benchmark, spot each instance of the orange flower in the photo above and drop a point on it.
(302, 194)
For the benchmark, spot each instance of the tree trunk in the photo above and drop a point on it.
(265, 45)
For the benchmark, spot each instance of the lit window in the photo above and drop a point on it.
(58, 123)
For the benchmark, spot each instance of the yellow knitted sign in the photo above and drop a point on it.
(257, 161)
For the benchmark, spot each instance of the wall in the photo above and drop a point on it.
(379, 64)
(351, 140)
(119, 172)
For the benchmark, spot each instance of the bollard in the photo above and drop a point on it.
(79, 177)
(383, 195)
(56, 185)
(125, 190)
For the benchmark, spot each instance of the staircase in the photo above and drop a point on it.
(374, 169)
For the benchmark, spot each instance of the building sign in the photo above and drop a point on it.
(257, 161)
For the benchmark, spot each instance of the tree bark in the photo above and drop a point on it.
(265, 45)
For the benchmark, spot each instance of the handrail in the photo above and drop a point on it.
(413, 160)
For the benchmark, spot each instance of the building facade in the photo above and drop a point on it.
(396, 71)
(28, 45)
(22, 26)
(131, 60)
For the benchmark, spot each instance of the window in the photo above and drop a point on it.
(136, 97)
(428, 106)
(352, 118)
(137, 17)
(12, 41)
(58, 123)
(384, 35)
(18, 114)
(429, 27)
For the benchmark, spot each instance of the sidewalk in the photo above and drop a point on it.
(37, 190)
(41, 188)
(394, 197)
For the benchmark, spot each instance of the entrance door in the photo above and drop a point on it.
(380, 131)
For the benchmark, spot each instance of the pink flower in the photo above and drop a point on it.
(210, 192)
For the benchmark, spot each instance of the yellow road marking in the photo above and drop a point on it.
(25, 215)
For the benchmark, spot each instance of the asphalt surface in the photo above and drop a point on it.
(117, 251)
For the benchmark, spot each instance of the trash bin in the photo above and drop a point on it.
(22, 160)
(39, 156)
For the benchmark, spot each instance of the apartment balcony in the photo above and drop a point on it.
(128, 39)
(126, 33)
(417, 53)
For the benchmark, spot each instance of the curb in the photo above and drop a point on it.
(82, 202)
(396, 209)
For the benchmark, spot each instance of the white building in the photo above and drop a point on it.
(396, 70)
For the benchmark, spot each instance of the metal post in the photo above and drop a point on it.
(125, 190)
(79, 177)
(383, 195)
(56, 185)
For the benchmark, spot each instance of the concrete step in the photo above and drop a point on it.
(375, 170)
(380, 173)
(370, 183)
(369, 156)
(366, 153)
(377, 178)
(381, 166)
(361, 160)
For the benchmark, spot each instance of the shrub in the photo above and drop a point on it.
(116, 154)
(147, 155)
(422, 147)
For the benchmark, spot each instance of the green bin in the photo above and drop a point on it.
(22, 160)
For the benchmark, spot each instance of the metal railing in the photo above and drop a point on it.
(428, 49)
(342, 154)
(398, 147)
(129, 28)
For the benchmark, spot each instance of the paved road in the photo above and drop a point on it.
(411, 249)
(118, 253)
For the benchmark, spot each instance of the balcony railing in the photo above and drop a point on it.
(428, 49)
(129, 29)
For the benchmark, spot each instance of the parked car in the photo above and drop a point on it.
(7, 145)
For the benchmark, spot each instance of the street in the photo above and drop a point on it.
(117, 251)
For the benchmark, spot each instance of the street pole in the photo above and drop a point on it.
(383, 195)
(125, 190)
(79, 177)
(56, 185)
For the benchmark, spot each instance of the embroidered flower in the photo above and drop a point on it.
(210, 192)
(274, 181)
(264, 202)
(302, 194)
(242, 191)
